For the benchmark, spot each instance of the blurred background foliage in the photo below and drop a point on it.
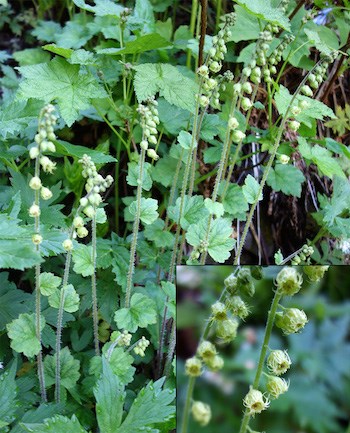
(318, 397)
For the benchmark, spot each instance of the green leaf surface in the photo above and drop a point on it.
(220, 241)
(71, 299)
(16, 116)
(8, 396)
(110, 395)
(57, 424)
(264, 10)
(155, 232)
(168, 81)
(140, 314)
(120, 362)
(48, 283)
(286, 178)
(60, 81)
(141, 44)
(53, 48)
(149, 207)
(151, 407)
(23, 334)
(251, 189)
(67, 149)
(327, 163)
(185, 140)
(234, 201)
(193, 211)
(133, 175)
(214, 208)
(101, 7)
(69, 369)
(246, 26)
(13, 301)
(82, 259)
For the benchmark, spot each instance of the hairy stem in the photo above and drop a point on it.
(129, 284)
(59, 327)
(269, 324)
(171, 349)
(93, 285)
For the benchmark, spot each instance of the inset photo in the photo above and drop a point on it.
(263, 349)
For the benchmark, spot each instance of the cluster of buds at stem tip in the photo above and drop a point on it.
(317, 76)
(141, 346)
(303, 256)
(122, 338)
(43, 143)
(210, 85)
(95, 184)
(149, 120)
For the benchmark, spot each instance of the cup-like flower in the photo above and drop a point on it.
(47, 165)
(37, 239)
(78, 222)
(193, 367)
(245, 283)
(216, 363)
(219, 311)
(289, 281)
(231, 283)
(82, 232)
(233, 123)
(255, 401)
(278, 362)
(67, 244)
(237, 136)
(291, 321)
(246, 104)
(206, 350)
(45, 193)
(201, 412)
(276, 386)
(238, 307)
(35, 183)
(315, 273)
(227, 329)
(34, 152)
(34, 210)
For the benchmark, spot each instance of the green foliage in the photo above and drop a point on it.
(58, 80)
(8, 396)
(140, 314)
(23, 334)
(57, 424)
(264, 10)
(69, 369)
(82, 258)
(71, 299)
(286, 178)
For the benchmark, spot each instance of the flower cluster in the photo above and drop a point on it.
(149, 121)
(277, 54)
(122, 338)
(43, 143)
(141, 346)
(304, 255)
(210, 85)
(318, 75)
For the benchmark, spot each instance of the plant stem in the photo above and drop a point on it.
(59, 327)
(269, 165)
(93, 285)
(270, 321)
(171, 349)
(192, 29)
(135, 231)
(41, 374)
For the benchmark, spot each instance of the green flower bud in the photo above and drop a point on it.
(294, 125)
(303, 104)
(246, 104)
(238, 307)
(67, 244)
(215, 364)
(276, 386)
(237, 136)
(315, 273)
(201, 413)
(247, 88)
(289, 281)
(255, 401)
(82, 232)
(283, 159)
(227, 329)
(246, 71)
(278, 362)
(232, 123)
(89, 211)
(203, 71)
(35, 183)
(307, 91)
(34, 152)
(78, 222)
(237, 88)
(245, 283)
(257, 272)
(37, 239)
(219, 311)
(291, 321)
(45, 193)
(84, 201)
(206, 350)
(215, 66)
(231, 284)
(34, 210)
(295, 110)
(193, 367)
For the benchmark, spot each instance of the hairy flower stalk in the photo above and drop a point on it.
(149, 120)
(95, 184)
(43, 138)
